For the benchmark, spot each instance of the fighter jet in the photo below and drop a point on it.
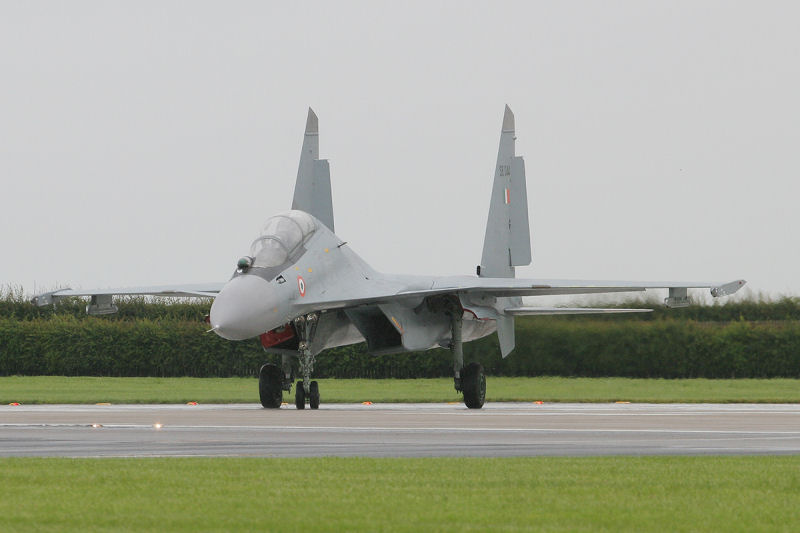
(302, 289)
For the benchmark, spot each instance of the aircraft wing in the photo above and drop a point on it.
(207, 290)
(550, 287)
(505, 287)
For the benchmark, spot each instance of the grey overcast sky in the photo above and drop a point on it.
(147, 142)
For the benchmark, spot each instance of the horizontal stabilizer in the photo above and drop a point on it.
(519, 311)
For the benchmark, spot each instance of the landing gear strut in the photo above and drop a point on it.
(457, 346)
(288, 373)
(469, 380)
(305, 326)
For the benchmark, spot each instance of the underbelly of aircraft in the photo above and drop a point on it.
(383, 336)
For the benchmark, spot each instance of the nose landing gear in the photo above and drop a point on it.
(273, 380)
(306, 326)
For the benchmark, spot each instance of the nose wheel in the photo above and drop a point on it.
(300, 395)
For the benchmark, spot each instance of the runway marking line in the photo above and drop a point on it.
(337, 429)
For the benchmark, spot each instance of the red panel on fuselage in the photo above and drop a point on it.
(277, 336)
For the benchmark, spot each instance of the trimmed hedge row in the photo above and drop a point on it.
(136, 308)
(72, 347)
(662, 349)
(65, 345)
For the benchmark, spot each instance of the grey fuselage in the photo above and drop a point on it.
(258, 300)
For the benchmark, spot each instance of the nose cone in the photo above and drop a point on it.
(244, 308)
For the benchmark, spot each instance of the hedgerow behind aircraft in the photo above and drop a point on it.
(302, 289)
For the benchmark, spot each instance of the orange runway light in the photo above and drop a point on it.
(538, 402)
(366, 403)
(191, 403)
(14, 403)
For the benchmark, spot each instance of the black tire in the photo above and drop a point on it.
(473, 383)
(299, 395)
(313, 398)
(270, 379)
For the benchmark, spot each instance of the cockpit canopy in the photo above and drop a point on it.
(282, 235)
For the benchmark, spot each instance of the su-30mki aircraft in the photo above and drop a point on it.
(302, 289)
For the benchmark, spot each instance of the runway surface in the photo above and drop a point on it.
(398, 430)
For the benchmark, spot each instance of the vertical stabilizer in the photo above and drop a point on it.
(312, 190)
(507, 242)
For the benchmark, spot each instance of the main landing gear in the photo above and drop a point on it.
(473, 385)
(469, 380)
(272, 381)
(270, 389)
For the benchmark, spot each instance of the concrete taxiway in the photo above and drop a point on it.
(398, 430)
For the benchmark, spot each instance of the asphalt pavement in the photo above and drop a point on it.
(399, 430)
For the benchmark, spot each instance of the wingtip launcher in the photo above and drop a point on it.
(728, 288)
(679, 296)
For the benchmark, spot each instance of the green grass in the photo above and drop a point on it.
(443, 494)
(54, 389)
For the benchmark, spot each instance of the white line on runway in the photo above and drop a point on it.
(364, 429)
(510, 408)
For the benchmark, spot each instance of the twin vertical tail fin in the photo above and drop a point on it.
(312, 190)
(507, 242)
